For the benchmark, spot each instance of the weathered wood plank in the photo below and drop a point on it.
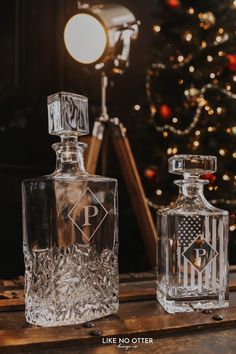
(12, 305)
(17, 284)
(232, 268)
(213, 341)
(16, 319)
(148, 326)
(134, 277)
(130, 291)
(134, 319)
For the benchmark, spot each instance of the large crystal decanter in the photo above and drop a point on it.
(70, 231)
(192, 253)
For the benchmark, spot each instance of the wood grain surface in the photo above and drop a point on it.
(139, 316)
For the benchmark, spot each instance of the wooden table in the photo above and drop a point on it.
(140, 318)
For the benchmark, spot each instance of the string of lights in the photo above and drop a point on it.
(201, 103)
(221, 37)
(195, 72)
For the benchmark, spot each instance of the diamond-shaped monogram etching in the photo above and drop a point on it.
(88, 214)
(200, 253)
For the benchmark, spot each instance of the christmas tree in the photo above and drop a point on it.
(191, 91)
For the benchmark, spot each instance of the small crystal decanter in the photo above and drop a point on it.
(70, 230)
(192, 247)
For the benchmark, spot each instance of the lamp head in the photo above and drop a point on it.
(101, 35)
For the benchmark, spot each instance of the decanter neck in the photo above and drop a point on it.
(70, 156)
(191, 187)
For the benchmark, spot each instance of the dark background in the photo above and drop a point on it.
(33, 64)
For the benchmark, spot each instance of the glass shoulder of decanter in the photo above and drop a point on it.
(191, 199)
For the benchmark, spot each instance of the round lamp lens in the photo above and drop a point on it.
(85, 38)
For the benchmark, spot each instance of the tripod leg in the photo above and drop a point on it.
(135, 188)
(94, 145)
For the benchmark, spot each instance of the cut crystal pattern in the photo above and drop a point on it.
(70, 286)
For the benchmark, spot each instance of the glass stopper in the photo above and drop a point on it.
(194, 165)
(68, 114)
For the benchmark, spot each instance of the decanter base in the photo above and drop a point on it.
(73, 318)
(190, 304)
(70, 286)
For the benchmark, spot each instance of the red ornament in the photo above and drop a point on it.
(231, 62)
(173, 4)
(165, 111)
(209, 176)
(150, 174)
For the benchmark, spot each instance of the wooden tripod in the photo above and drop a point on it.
(129, 171)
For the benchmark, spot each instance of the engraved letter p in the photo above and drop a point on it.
(200, 252)
(89, 212)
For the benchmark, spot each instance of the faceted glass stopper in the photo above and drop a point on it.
(68, 114)
(194, 165)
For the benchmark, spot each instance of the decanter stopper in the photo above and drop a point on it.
(68, 114)
(192, 165)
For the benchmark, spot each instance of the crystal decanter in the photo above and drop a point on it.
(192, 247)
(70, 230)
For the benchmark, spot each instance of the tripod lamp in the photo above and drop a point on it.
(101, 36)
